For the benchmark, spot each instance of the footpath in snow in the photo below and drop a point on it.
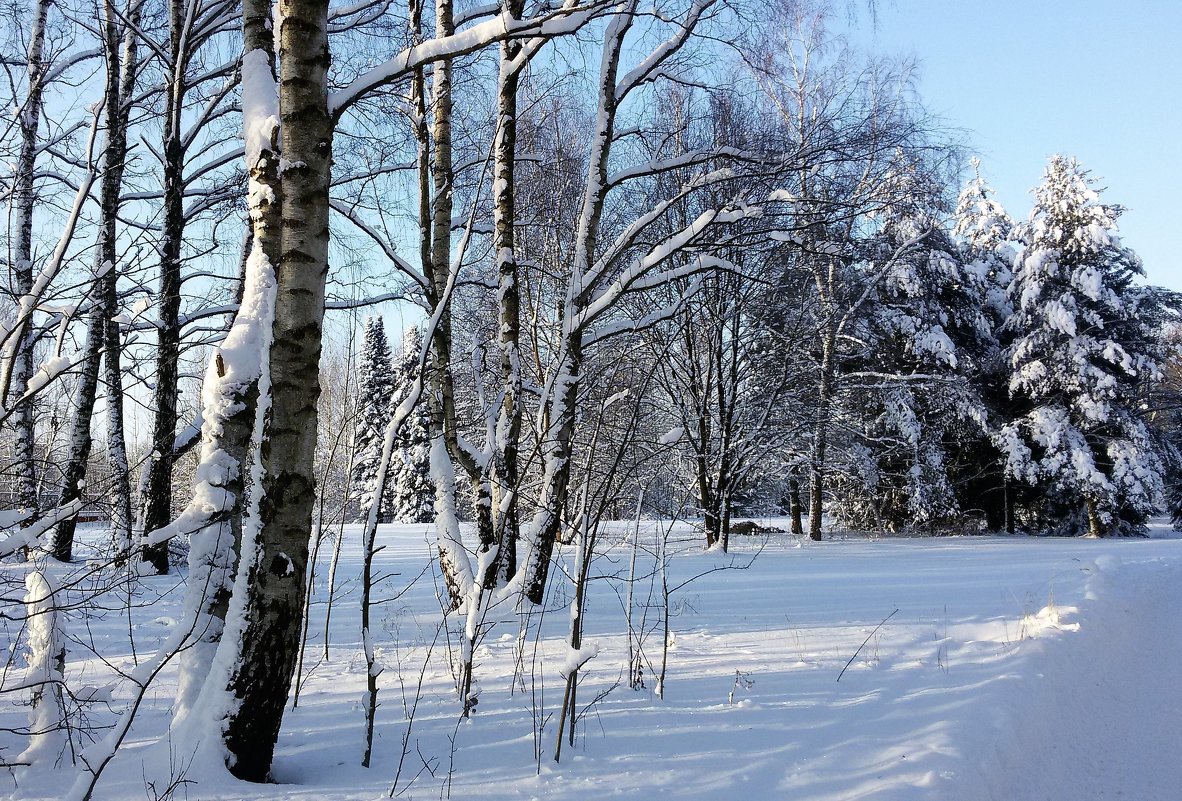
(1098, 713)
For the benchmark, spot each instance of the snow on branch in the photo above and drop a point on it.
(260, 106)
(577, 657)
(635, 277)
(11, 337)
(376, 237)
(628, 236)
(354, 15)
(30, 536)
(648, 69)
(872, 285)
(656, 166)
(567, 19)
(667, 312)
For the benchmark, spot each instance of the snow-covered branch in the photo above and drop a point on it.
(565, 20)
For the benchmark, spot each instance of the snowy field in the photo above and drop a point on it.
(1007, 668)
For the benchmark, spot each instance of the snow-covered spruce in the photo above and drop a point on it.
(1078, 355)
(926, 334)
(986, 240)
(375, 395)
(410, 493)
(986, 235)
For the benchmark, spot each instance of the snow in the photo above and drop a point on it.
(49, 370)
(14, 539)
(672, 435)
(567, 20)
(1016, 668)
(260, 106)
(446, 517)
(43, 675)
(576, 658)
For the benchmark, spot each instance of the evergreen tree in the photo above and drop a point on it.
(375, 395)
(986, 234)
(985, 240)
(1081, 346)
(925, 335)
(410, 491)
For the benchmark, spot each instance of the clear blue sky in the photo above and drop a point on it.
(1101, 81)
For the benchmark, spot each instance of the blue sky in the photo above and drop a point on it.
(1101, 81)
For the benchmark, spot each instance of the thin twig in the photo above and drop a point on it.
(863, 645)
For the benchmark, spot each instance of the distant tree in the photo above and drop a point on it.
(375, 393)
(1161, 396)
(836, 213)
(410, 492)
(1082, 346)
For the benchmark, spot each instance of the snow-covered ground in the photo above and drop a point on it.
(1007, 668)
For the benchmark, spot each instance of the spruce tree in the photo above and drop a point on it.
(410, 492)
(375, 394)
(1080, 349)
(926, 335)
(985, 237)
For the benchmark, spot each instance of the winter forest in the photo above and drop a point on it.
(448, 399)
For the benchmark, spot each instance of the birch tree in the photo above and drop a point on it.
(603, 272)
(241, 701)
(221, 518)
(20, 255)
(39, 168)
(193, 25)
(103, 339)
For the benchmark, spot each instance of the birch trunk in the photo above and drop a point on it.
(1096, 527)
(74, 472)
(794, 506)
(102, 333)
(505, 477)
(443, 409)
(452, 560)
(156, 498)
(230, 395)
(21, 257)
(276, 576)
(118, 116)
(698, 381)
(726, 386)
(562, 402)
(546, 524)
(821, 432)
